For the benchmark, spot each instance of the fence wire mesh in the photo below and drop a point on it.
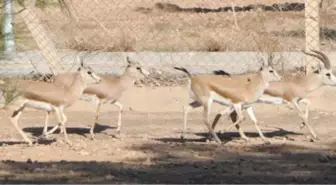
(201, 35)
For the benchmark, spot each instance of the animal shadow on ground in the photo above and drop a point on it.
(40, 141)
(229, 136)
(37, 131)
(4, 143)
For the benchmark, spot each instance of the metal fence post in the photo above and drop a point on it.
(312, 29)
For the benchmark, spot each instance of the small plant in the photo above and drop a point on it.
(10, 91)
(213, 45)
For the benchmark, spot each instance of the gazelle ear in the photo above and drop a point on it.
(128, 60)
(317, 71)
(78, 58)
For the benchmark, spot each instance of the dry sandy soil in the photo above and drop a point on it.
(149, 149)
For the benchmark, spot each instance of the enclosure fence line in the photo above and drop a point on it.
(312, 29)
(126, 27)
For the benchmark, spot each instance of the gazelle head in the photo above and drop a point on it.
(324, 73)
(269, 74)
(135, 70)
(87, 73)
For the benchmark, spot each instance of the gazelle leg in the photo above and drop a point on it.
(45, 128)
(238, 110)
(228, 110)
(14, 120)
(54, 128)
(96, 119)
(234, 116)
(304, 116)
(118, 104)
(186, 110)
(59, 125)
(62, 119)
(255, 122)
(206, 115)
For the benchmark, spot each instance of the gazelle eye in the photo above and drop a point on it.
(138, 68)
(271, 71)
(89, 72)
(328, 74)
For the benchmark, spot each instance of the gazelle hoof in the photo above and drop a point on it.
(267, 142)
(219, 142)
(44, 136)
(313, 139)
(30, 143)
(68, 142)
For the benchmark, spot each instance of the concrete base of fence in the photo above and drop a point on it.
(196, 62)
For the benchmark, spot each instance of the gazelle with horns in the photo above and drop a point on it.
(234, 92)
(109, 90)
(294, 90)
(49, 97)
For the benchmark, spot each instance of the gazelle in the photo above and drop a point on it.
(294, 89)
(234, 92)
(49, 97)
(109, 90)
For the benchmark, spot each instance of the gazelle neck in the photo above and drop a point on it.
(312, 82)
(128, 78)
(78, 85)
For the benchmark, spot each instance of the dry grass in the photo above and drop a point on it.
(142, 26)
(162, 79)
(213, 45)
(121, 44)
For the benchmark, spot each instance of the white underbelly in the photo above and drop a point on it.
(220, 99)
(224, 101)
(39, 105)
(270, 99)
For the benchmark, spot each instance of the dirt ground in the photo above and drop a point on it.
(149, 148)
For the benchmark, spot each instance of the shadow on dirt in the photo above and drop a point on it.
(191, 163)
(228, 136)
(37, 131)
(168, 7)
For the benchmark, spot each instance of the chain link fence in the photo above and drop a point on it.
(201, 35)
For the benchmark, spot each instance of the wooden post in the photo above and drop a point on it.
(312, 29)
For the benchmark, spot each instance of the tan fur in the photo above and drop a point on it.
(233, 92)
(227, 87)
(111, 88)
(50, 97)
(51, 93)
(294, 89)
